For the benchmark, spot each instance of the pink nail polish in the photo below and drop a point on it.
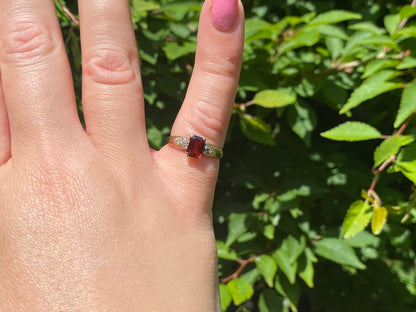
(224, 13)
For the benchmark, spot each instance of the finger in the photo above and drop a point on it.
(112, 89)
(4, 130)
(36, 77)
(209, 101)
(210, 97)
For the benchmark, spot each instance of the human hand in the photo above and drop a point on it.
(94, 220)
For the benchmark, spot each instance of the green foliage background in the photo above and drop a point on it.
(314, 207)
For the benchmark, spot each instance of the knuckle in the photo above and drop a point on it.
(220, 67)
(111, 67)
(28, 41)
(209, 118)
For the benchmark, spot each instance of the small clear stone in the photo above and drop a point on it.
(179, 142)
(211, 150)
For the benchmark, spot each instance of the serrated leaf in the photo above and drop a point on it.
(352, 131)
(274, 98)
(376, 65)
(367, 27)
(240, 290)
(225, 297)
(267, 267)
(338, 251)
(306, 269)
(333, 17)
(305, 37)
(270, 301)
(407, 62)
(407, 104)
(389, 147)
(332, 31)
(256, 129)
(379, 219)
(357, 218)
(366, 92)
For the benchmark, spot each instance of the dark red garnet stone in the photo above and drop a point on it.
(195, 146)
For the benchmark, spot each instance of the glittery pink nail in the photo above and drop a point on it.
(224, 13)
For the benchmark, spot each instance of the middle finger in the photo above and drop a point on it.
(112, 89)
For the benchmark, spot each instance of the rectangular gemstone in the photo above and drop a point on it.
(195, 146)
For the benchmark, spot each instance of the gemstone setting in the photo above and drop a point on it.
(195, 146)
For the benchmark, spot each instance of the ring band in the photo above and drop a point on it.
(195, 146)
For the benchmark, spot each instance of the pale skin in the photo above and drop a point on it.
(93, 219)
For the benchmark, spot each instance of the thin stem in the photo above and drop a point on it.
(405, 20)
(236, 274)
(68, 12)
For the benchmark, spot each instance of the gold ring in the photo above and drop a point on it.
(195, 146)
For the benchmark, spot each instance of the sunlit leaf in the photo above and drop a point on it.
(357, 218)
(352, 131)
(240, 290)
(379, 219)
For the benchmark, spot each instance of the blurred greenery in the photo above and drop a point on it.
(304, 221)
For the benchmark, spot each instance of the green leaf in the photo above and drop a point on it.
(141, 7)
(305, 37)
(377, 65)
(332, 31)
(407, 62)
(256, 129)
(367, 91)
(389, 147)
(225, 297)
(333, 17)
(274, 98)
(363, 239)
(178, 10)
(379, 219)
(224, 251)
(306, 269)
(335, 47)
(407, 104)
(240, 290)
(237, 226)
(356, 219)
(406, 162)
(268, 231)
(287, 255)
(302, 121)
(270, 301)
(352, 131)
(174, 50)
(338, 251)
(288, 290)
(392, 22)
(267, 267)
(367, 27)
(407, 11)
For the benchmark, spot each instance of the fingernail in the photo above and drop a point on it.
(224, 13)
